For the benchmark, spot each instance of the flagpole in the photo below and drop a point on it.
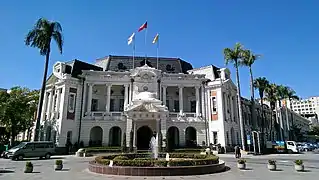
(157, 52)
(133, 52)
(145, 44)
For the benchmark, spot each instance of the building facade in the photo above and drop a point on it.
(119, 98)
(306, 107)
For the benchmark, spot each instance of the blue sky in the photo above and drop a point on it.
(285, 32)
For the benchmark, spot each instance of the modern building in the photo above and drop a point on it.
(306, 107)
(117, 97)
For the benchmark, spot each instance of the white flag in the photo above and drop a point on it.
(130, 39)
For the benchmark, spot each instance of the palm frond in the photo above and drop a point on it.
(57, 36)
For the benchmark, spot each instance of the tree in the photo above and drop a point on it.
(17, 110)
(314, 130)
(248, 60)
(40, 37)
(272, 97)
(291, 94)
(261, 84)
(233, 56)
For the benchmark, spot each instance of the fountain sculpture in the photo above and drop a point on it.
(154, 147)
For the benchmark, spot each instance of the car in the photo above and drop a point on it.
(31, 149)
(307, 147)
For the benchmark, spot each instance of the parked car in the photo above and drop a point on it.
(31, 149)
(307, 147)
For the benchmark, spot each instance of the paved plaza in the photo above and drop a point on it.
(76, 168)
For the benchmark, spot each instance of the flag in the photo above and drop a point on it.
(130, 39)
(155, 38)
(144, 26)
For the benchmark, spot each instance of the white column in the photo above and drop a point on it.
(108, 97)
(84, 97)
(126, 96)
(89, 101)
(53, 104)
(44, 107)
(181, 103)
(164, 95)
(50, 104)
(134, 133)
(197, 101)
(58, 103)
(203, 102)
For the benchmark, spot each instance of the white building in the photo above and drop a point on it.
(99, 104)
(306, 107)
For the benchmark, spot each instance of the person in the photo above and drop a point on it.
(236, 151)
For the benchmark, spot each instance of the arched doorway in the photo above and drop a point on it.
(48, 133)
(115, 136)
(96, 135)
(144, 135)
(173, 137)
(190, 137)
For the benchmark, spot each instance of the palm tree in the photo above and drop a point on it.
(272, 97)
(291, 96)
(261, 84)
(40, 37)
(282, 94)
(248, 60)
(233, 56)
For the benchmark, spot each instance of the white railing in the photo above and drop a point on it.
(98, 113)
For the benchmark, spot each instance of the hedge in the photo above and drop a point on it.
(144, 160)
(103, 149)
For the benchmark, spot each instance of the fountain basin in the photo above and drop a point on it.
(140, 165)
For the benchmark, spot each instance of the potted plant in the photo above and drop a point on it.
(28, 167)
(272, 165)
(299, 165)
(241, 164)
(58, 165)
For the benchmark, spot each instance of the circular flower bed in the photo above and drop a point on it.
(144, 160)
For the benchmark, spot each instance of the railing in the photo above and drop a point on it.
(187, 116)
(98, 113)
(102, 115)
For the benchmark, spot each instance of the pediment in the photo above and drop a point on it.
(145, 107)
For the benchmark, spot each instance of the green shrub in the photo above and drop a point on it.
(241, 161)
(58, 162)
(271, 162)
(144, 160)
(28, 164)
(121, 158)
(299, 162)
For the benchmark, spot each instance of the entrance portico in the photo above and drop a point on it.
(145, 115)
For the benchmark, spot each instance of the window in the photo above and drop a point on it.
(167, 104)
(176, 106)
(95, 104)
(193, 106)
(72, 102)
(69, 136)
(214, 104)
(112, 103)
(121, 105)
(215, 137)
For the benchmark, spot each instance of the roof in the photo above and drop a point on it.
(123, 63)
(76, 67)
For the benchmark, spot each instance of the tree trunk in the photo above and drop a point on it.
(262, 124)
(241, 122)
(252, 98)
(37, 127)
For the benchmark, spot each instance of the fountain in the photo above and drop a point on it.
(154, 147)
(157, 164)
